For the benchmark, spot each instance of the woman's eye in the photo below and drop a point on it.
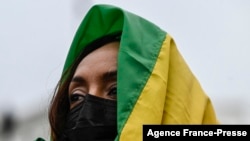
(112, 93)
(76, 98)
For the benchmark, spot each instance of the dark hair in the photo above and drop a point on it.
(59, 106)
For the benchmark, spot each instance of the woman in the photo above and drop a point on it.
(84, 105)
(145, 74)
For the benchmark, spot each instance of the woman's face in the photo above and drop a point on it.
(96, 75)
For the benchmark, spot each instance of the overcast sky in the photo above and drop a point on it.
(212, 35)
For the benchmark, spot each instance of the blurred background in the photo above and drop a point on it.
(213, 37)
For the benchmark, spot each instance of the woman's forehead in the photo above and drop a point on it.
(101, 59)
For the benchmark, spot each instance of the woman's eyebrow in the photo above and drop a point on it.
(78, 79)
(110, 75)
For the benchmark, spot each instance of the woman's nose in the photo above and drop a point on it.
(96, 91)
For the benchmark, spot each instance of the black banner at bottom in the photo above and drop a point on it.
(162, 132)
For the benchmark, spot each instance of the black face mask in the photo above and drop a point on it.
(92, 120)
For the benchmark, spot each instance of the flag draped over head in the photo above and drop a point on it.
(154, 83)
